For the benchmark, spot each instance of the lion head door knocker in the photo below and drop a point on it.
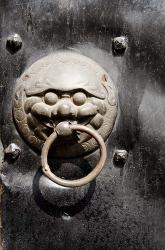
(65, 101)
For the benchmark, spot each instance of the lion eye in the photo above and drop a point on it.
(79, 98)
(50, 98)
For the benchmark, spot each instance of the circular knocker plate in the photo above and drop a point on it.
(63, 129)
(64, 86)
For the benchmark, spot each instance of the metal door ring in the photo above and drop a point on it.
(79, 182)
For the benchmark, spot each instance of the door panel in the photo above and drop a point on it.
(123, 208)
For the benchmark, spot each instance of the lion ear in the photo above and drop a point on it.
(110, 93)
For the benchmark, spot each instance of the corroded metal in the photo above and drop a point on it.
(120, 157)
(14, 43)
(12, 151)
(64, 86)
(119, 45)
(53, 137)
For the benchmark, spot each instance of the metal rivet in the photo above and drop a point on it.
(119, 45)
(12, 151)
(120, 157)
(13, 43)
(66, 216)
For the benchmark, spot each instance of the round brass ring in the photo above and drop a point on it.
(79, 182)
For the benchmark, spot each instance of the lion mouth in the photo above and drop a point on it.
(46, 126)
(45, 119)
(49, 123)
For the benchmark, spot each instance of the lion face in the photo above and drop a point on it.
(56, 89)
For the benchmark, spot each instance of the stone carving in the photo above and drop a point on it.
(64, 86)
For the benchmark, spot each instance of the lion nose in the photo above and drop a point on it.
(66, 109)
